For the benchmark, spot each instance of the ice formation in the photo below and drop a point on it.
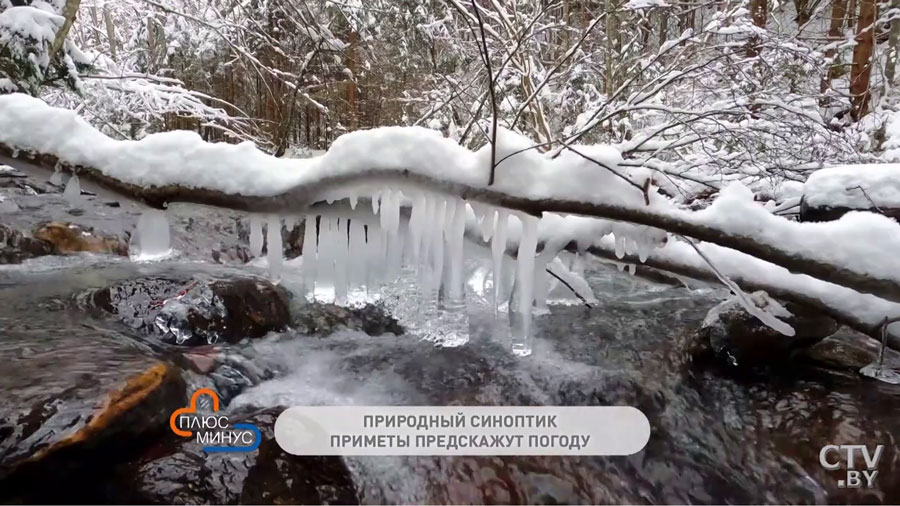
(72, 193)
(152, 235)
(405, 248)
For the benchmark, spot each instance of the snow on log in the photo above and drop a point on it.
(831, 193)
(856, 251)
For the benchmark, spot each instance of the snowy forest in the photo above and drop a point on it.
(533, 181)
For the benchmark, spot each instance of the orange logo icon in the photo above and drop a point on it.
(192, 409)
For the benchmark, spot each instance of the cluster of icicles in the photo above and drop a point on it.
(409, 248)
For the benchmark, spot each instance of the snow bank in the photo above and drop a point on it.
(854, 186)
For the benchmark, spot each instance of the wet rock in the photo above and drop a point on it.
(845, 350)
(16, 247)
(322, 319)
(71, 238)
(197, 311)
(178, 471)
(69, 403)
(740, 339)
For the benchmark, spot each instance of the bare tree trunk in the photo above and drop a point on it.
(352, 107)
(663, 27)
(69, 13)
(110, 31)
(862, 60)
(891, 65)
(835, 31)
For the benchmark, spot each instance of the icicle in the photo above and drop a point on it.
(521, 343)
(256, 235)
(340, 261)
(72, 193)
(416, 224)
(357, 252)
(374, 203)
(274, 247)
(56, 178)
(487, 225)
(309, 253)
(455, 239)
(427, 229)
(631, 269)
(498, 251)
(620, 246)
(630, 246)
(326, 251)
(384, 217)
(374, 255)
(152, 234)
(437, 247)
(643, 247)
(354, 199)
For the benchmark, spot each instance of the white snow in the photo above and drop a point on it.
(863, 243)
(854, 186)
(23, 26)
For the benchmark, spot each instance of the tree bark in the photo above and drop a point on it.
(862, 60)
(893, 41)
(69, 12)
(835, 32)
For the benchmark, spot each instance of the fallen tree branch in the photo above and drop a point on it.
(752, 285)
(303, 196)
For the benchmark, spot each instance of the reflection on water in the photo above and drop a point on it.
(716, 436)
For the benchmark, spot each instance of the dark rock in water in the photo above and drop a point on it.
(197, 311)
(740, 339)
(178, 471)
(322, 319)
(16, 247)
(68, 403)
(845, 350)
(72, 238)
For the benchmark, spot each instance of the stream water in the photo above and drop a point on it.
(718, 435)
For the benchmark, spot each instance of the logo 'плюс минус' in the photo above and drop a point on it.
(213, 430)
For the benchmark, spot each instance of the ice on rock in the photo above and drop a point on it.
(56, 178)
(72, 193)
(274, 247)
(256, 235)
(152, 235)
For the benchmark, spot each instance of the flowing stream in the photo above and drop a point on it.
(718, 435)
